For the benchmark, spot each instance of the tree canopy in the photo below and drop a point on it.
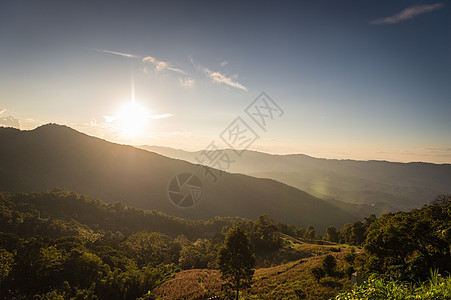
(236, 261)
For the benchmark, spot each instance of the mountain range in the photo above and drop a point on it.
(58, 156)
(361, 187)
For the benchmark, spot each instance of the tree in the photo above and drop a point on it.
(332, 234)
(236, 261)
(353, 233)
(310, 232)
(406, 245)
(329, 264)
(318, 273)
(300, 232)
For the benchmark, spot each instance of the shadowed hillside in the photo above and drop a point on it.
(58, 156)
(362, 187)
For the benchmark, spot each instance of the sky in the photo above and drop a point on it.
(342, 79)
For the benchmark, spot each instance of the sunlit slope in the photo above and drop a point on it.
(58, 156)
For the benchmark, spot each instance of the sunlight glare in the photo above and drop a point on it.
(132, 119)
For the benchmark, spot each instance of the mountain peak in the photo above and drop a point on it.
(52, 126)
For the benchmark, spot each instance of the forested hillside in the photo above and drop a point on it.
(61, 245)
(58, 243)
(58, 156)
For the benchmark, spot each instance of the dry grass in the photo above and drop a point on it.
(285, 281)
(191, 284)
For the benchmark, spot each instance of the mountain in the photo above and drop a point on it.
(57, 156)
(357, 186)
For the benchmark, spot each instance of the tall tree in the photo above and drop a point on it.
(329, 264)
(310, 232)
(332, 234)
(236, 261)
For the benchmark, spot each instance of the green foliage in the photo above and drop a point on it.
(236, 261)
(350, 258)
(310, 234)
(329, 264)
(380, 289)
(58, 213)
(353, 233)
(6, 263)
(332, 234)
(356, 233)
(406, 245)
(59, 244)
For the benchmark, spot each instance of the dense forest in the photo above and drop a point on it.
(61, 245)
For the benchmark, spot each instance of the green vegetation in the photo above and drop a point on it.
(329, 264)
(379, 289)
(407, 245)
(61, 245)
(236, 261)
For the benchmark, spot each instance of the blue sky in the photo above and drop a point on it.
(355, 79)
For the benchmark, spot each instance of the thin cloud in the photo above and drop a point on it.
(160, 65)
(117, 53)
(186, 82)
(220, 78)
(149, 59)
(224, 63)
(178, 71)
(163, 116)
(407, 14)
(438, 149)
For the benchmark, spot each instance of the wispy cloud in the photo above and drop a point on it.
(149, 59)
(407, 14)
(117, 53)
(186, 82)
(160, 65)
(179, 71)
(220, 78)
(224, 63)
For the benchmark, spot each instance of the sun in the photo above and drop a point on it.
(132, 119)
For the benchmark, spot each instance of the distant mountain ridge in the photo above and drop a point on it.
(375, 186)
(57, 156)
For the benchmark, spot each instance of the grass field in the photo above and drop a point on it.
(291, 280)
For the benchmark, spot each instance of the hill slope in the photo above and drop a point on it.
(375, 186)
(58, 156)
